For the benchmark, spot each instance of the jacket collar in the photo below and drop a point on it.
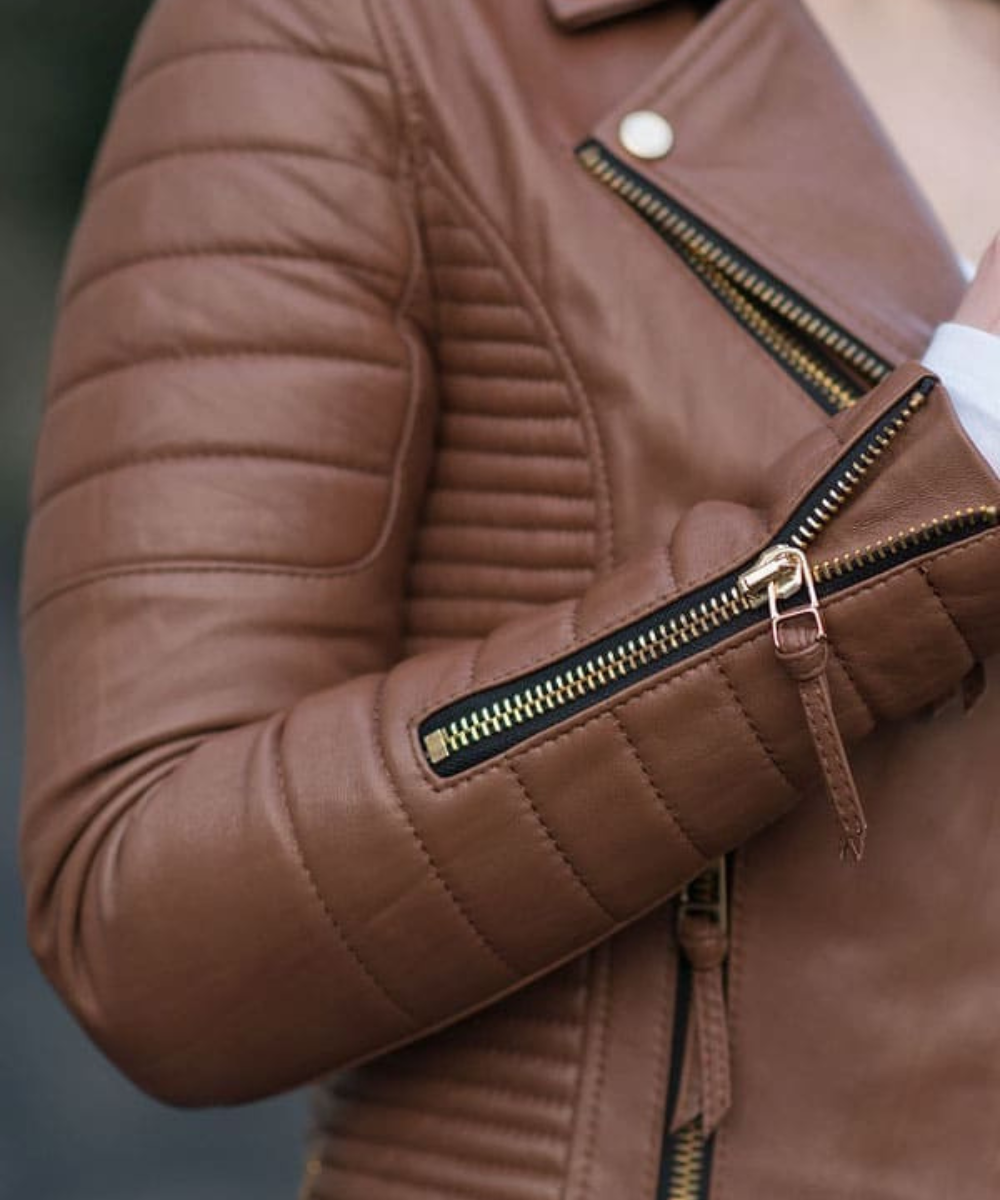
(577, 14)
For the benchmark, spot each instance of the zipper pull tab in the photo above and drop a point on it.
(703, 935)
(800, 643)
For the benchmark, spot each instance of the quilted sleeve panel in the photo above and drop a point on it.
(230, 457)
(229, 306)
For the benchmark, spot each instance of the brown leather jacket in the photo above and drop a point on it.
(396, 648)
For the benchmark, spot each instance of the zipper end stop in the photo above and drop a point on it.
(436, 746)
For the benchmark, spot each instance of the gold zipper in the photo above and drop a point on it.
(961, 520)
(782, 344)
(785, 566)
(686, 1164)
(831, 364)
(488, 723)
(683, 630)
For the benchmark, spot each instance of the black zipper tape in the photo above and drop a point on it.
(829, 362)
(493, 744)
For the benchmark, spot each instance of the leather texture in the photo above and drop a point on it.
(364, 396)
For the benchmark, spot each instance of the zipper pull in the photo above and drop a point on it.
(703, 935)
(800, 643)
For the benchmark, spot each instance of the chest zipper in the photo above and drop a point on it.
(831, 365)
(487, 723)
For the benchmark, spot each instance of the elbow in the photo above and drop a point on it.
(190, 956)
(184, 1038)
(166, 1018)
(140, 1026)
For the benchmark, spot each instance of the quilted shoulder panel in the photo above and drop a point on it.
(510, 517)
(236, 344)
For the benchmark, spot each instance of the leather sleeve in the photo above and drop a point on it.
(242, 871)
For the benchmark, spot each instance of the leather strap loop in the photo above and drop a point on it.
(804, 655)
(706, 945)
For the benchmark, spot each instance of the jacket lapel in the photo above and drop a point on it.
(774, 148)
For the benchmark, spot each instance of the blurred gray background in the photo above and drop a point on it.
(70, 1126)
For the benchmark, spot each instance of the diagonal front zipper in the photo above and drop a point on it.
(489, 722)
(834, 367)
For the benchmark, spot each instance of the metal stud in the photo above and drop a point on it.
(646, 134)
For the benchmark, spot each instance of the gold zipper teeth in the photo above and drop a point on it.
(687, 1162)
(906, 539)
(781, 343)
(846, 484)
(617, 663)
(743, 278)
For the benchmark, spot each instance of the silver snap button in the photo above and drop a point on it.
(646, 134)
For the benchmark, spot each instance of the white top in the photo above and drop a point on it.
(967, 361)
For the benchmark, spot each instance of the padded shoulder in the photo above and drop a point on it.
(233, 351)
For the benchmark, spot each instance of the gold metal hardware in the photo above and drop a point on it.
(687, 1166)
(803, 574)
(587, 677)
(780, 573)
(778, 568)
(436, 745)
(906, 539)
(799, 336)
(707, 895)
